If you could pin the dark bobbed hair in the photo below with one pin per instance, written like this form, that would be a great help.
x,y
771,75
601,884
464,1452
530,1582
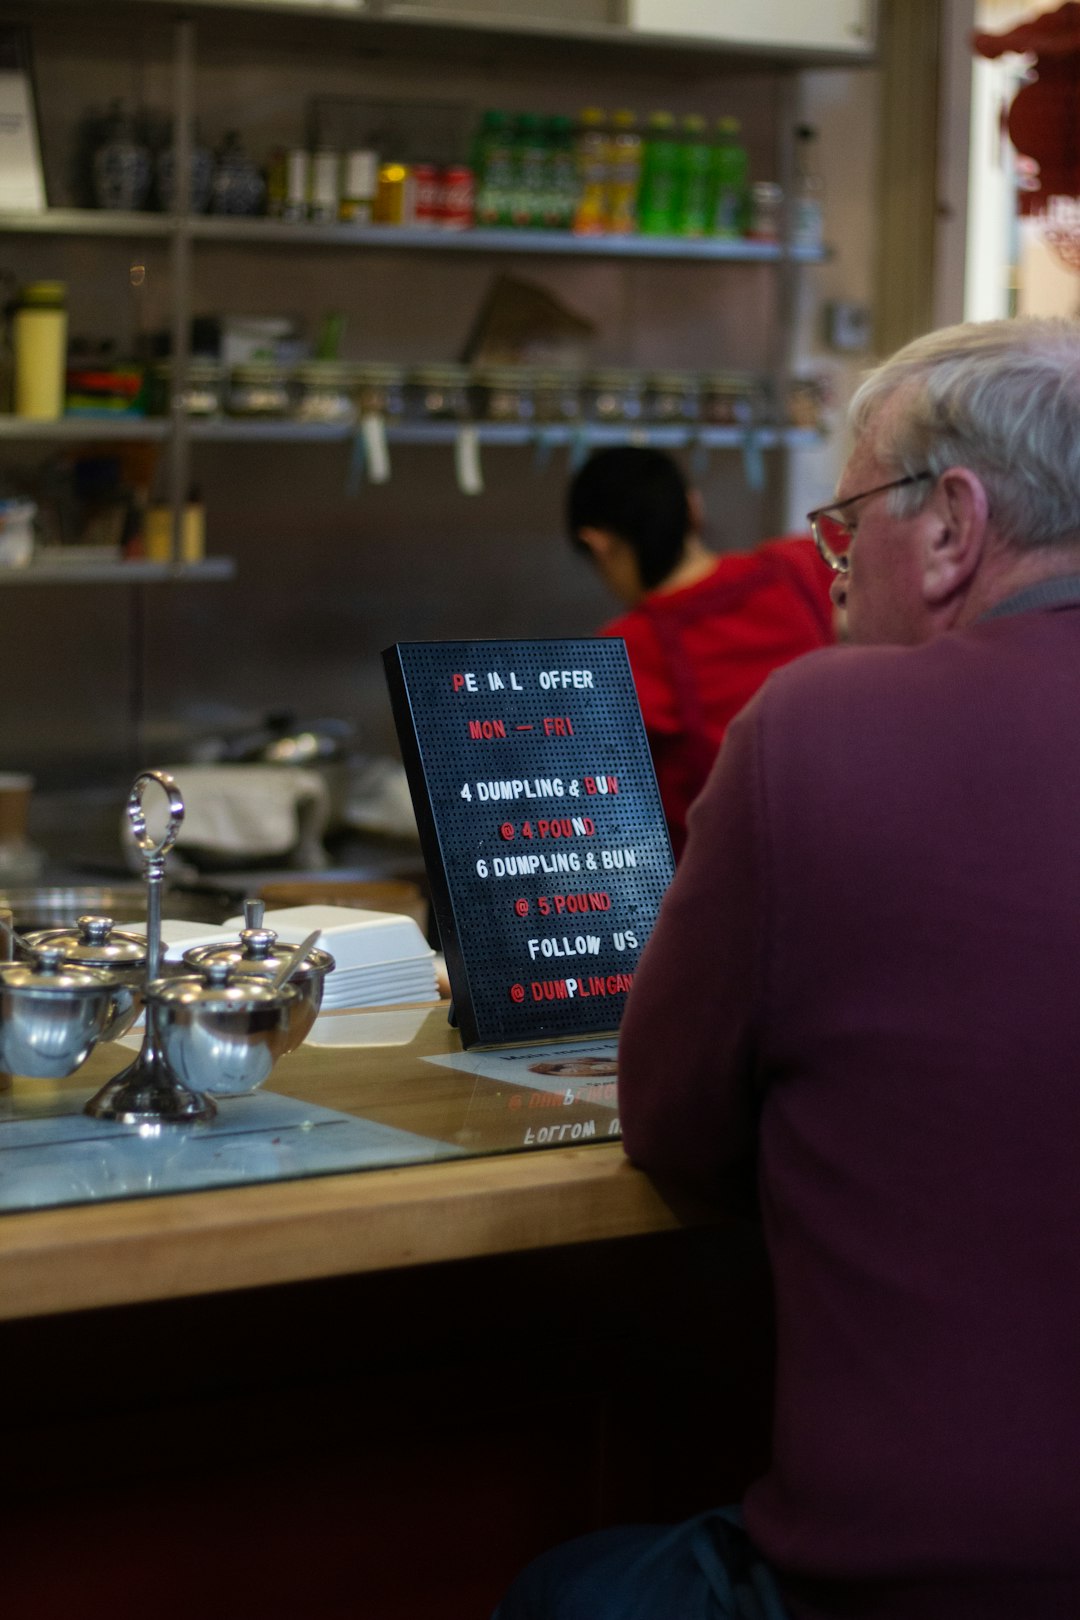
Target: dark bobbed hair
x,y
639,495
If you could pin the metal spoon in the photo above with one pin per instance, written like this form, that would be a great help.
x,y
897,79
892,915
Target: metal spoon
x,y
11,939
289,964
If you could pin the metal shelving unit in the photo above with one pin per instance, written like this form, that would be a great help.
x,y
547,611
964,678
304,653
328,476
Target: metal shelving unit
x,y
507,435
414,239
236,430
44,572
84,222
593,435
182,235
84,429
236,232
91,243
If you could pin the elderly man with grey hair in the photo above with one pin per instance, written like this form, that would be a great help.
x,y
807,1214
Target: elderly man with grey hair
x,y
859,1008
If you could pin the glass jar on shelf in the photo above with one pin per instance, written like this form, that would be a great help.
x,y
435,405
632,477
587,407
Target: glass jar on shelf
x,y
439,393
557,397
122,166
204,392
504,394
260,388
807,403
673,399
201,173
324,392
379,390
732,399
766,212
237,185
615,397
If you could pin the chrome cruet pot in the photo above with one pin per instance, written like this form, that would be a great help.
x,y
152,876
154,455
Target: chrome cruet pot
x,y
94,942
221,1032
260,952
213,1031
52,1015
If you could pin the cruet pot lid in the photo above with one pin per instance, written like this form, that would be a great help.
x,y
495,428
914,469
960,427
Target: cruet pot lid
x,y
49,975
217,988
93,942
260,951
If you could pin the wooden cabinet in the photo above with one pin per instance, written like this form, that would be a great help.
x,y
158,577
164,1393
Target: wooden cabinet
x,y
801,25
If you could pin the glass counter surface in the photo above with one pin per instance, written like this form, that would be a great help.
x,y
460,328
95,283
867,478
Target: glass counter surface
x,y
367,1090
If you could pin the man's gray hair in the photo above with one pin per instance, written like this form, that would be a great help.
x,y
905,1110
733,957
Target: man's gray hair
x,y
999,397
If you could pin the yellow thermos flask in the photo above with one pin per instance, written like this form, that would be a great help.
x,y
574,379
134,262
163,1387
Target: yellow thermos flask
x,y
39,345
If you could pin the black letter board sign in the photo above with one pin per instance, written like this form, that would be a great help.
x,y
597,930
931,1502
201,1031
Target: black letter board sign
x,y
541,826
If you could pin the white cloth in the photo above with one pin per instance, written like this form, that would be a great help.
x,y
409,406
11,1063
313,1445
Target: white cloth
x,y
253,811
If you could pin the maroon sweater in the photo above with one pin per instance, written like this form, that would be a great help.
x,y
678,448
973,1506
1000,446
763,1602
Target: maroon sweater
x,y
866,979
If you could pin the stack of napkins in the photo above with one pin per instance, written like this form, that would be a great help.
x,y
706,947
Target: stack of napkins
x,y
381,957
178,935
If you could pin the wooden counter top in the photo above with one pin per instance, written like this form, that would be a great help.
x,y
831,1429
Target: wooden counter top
x,y
199,1243
169,1246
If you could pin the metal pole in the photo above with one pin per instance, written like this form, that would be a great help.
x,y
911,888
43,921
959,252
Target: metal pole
x,y
180,267
789,282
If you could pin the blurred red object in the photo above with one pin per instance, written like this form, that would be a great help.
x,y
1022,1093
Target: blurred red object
x,y
1044,119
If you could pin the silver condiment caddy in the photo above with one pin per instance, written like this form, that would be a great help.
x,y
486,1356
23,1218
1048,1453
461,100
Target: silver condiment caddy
x,y
219,1028
149,1091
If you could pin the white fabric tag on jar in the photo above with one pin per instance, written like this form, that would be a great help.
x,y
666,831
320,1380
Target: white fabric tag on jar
x,y
470,477
373,429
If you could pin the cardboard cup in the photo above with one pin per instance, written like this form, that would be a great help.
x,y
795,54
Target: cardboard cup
x,y
15,791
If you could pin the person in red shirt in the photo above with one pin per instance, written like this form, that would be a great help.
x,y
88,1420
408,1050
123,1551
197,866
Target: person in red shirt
x,y
703,631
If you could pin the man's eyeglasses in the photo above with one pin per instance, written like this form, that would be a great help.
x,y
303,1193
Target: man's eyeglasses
x,y
833,532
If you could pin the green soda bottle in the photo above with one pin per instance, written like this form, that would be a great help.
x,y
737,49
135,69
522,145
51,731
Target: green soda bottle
x,y
493,162
694,188
531,167
657,198
730,187
562,188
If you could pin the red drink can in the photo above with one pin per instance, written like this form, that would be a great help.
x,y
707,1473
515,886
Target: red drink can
x,y
426,193
458,198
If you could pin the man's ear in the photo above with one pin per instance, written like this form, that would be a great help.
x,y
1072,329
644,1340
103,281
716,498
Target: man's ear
x,y
600,543
955,534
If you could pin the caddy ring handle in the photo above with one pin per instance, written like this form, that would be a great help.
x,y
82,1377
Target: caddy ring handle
x,y
137,816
